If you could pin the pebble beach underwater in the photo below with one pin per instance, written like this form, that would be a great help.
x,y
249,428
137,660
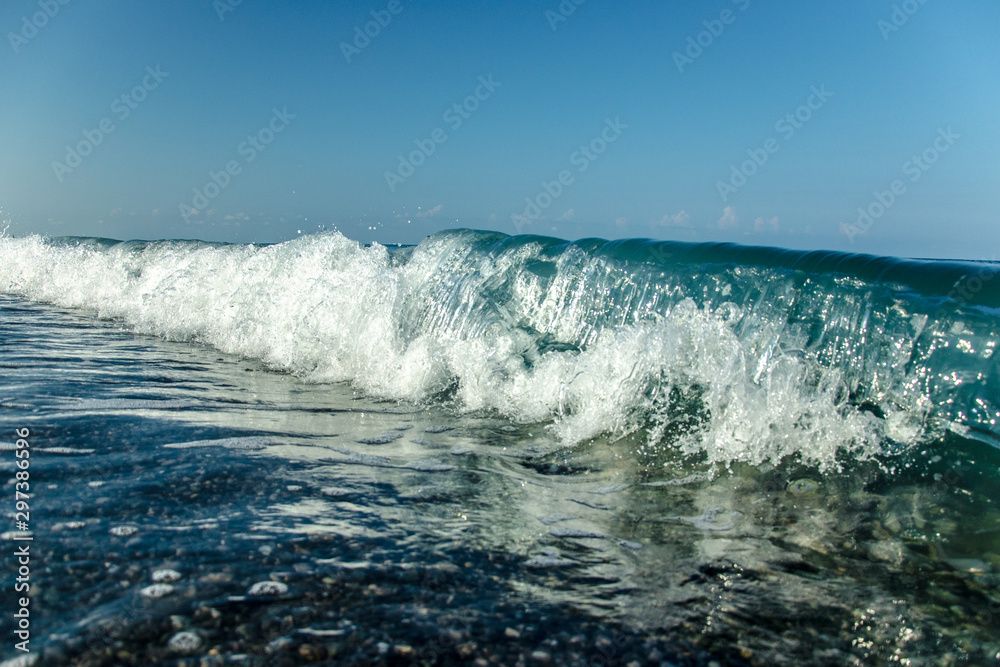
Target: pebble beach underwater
x,y
498,450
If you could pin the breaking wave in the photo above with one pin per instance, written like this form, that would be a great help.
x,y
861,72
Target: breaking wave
x,y
738,353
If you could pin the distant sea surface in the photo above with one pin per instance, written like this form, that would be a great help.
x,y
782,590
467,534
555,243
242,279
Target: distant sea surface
x,y
503,449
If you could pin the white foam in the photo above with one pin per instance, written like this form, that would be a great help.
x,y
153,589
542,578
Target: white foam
x,y
328,309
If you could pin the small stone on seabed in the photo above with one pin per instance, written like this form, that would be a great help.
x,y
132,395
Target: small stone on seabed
x,y
68,525
156,591
540,656
512,633
279,644
166,576
124,531
311,653
803,487
185,642
268,588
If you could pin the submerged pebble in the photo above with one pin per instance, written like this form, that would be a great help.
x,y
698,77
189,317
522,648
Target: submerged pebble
x,y
803,487
156,591
166,576
123,531
68,525
268,588
970,565
184,642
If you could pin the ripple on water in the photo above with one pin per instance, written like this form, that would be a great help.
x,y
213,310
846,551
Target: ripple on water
x,y
381,439
246,443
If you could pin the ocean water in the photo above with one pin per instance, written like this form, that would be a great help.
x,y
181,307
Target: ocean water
x,y
503,449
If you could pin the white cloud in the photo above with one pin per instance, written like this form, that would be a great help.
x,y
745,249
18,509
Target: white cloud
x,y
681,219
762,225
429,212
728,219
568,215
620,222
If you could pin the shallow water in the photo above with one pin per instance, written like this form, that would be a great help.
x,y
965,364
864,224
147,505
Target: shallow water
x,y
416,535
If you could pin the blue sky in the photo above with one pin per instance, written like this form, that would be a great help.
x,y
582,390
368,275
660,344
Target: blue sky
x,y
648,143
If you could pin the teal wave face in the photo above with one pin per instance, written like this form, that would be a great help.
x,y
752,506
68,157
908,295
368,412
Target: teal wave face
x,y
905,335
737,353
